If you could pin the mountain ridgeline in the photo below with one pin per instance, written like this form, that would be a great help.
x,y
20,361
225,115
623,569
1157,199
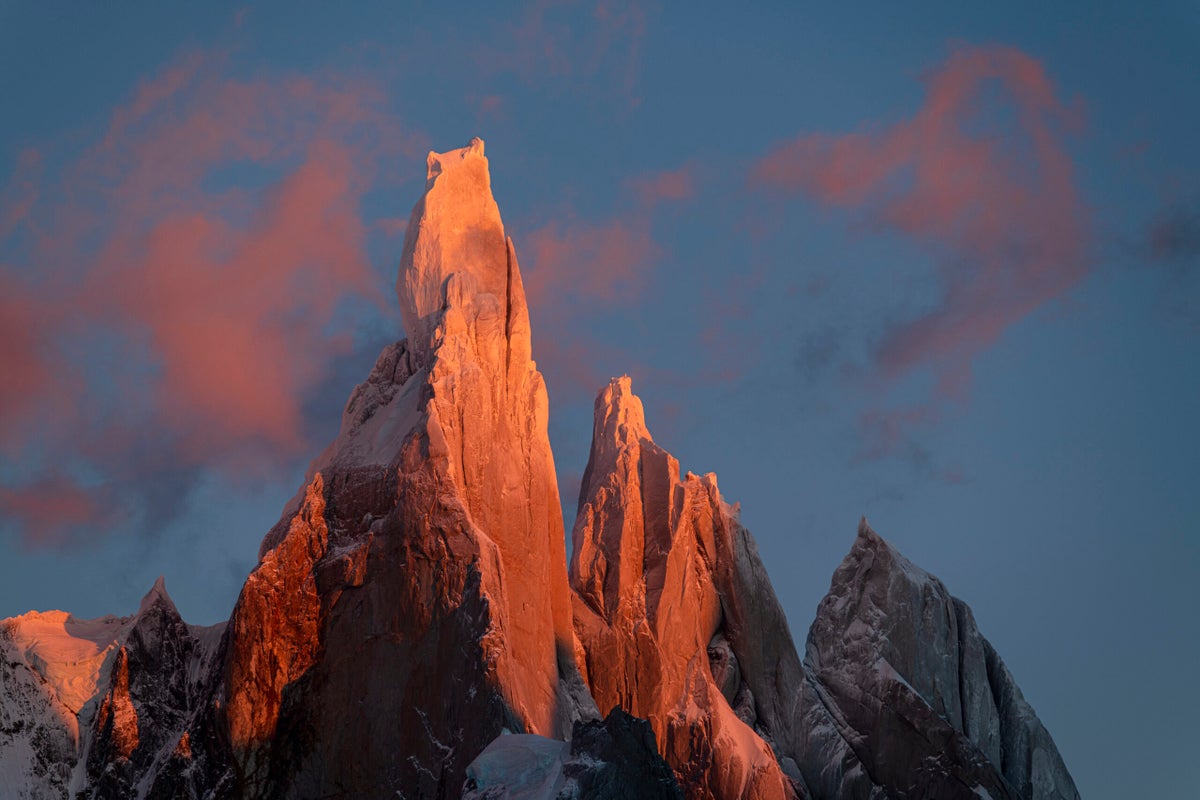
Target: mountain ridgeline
x,y
413,628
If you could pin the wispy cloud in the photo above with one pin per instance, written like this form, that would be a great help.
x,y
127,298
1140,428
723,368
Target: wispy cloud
x,y
576,269
203,246
54,510
1174,234
560,43
981,178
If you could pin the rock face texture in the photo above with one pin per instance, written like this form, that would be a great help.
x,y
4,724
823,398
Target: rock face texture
x,y
91,706
654,612
921,697
156,683
428,544
409,630
898,696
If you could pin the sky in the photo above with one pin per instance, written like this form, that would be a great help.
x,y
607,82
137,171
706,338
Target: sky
x,y
938,265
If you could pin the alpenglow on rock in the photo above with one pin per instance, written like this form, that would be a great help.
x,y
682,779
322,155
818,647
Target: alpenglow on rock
x,y
409,630
900,696
422,574
651,551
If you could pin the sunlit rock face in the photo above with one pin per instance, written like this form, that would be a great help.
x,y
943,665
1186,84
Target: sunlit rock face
x,y
899,694
409,630
660,629
918,693
413,602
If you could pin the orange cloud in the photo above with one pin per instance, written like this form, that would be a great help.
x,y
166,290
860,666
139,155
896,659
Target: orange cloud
x,y
981,177
236,316
232,288
577,270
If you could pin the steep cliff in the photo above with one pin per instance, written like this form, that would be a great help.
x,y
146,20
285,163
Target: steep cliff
x,y
921,696
899,695
409,629
654,611
412,602
91,706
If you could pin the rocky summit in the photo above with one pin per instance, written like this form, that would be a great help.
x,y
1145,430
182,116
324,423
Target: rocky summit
x,y
412,629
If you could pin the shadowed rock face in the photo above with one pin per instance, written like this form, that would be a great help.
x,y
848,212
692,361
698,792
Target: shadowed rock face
x,y
88,708
920,695
155,684
413,601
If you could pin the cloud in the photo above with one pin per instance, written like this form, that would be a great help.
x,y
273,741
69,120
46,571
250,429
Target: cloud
x,y
19,196
235,315
589,262
677,184
1174,234
980,178
564,41
52,510
197,263
577,270
1171,244
32,378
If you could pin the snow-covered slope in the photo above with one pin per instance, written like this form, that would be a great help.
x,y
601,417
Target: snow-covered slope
x,y
78,697
610,759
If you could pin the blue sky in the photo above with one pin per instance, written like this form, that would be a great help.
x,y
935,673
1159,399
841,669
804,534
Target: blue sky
x,y
938,266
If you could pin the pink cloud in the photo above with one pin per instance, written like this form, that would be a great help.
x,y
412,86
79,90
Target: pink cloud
x,y
31,376
49,511
392,227
235,316
213,232
18,197
575,268
590,262
981,178
668,185
995,201
490,105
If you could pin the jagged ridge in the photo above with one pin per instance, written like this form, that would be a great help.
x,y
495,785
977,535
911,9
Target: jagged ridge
x,y
412,606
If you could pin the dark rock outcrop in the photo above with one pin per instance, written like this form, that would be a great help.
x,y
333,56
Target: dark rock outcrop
x,y
924,701
610,759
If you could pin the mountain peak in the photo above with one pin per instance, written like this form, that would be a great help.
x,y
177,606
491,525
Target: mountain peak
x,y
454,230
620,416
157,594
437,163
